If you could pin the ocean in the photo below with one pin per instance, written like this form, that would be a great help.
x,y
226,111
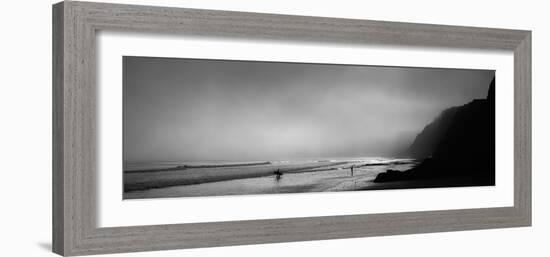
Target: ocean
x,y
219,178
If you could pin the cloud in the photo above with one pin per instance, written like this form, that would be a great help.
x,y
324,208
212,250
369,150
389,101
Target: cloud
x,y
189,109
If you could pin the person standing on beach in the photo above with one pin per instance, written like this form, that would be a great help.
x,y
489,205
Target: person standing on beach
x,y
352,171
278,174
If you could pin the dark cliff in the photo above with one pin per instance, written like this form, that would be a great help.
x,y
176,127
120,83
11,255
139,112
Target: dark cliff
x,y
425,143
460,142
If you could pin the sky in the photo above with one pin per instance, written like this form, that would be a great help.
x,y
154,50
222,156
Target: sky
x,y
223,110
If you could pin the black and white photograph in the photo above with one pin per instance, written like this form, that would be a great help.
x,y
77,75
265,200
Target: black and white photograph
x,y
200,127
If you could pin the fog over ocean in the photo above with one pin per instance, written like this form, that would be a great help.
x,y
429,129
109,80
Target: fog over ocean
x,y
196,110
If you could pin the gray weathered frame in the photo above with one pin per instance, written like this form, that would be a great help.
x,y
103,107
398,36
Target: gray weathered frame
x,y
74,127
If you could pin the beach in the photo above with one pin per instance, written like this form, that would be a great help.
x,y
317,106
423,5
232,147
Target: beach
x,y
214,179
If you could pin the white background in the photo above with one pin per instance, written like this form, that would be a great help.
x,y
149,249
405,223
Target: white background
x,y
25,106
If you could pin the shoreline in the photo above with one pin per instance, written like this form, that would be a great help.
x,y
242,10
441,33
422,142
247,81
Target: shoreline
x,y
200,166
136,181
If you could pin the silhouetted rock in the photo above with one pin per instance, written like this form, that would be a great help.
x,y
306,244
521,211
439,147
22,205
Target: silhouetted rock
x,y
460,142
389,175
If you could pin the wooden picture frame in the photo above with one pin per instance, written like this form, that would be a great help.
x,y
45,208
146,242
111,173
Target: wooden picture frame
x,y
74,127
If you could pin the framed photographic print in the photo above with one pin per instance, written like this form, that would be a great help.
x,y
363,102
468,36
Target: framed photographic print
x,y
182,128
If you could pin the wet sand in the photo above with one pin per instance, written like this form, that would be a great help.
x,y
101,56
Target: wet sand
x,y
143,180
296,178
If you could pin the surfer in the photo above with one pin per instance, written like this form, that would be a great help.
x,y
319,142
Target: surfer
x,y
278,174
